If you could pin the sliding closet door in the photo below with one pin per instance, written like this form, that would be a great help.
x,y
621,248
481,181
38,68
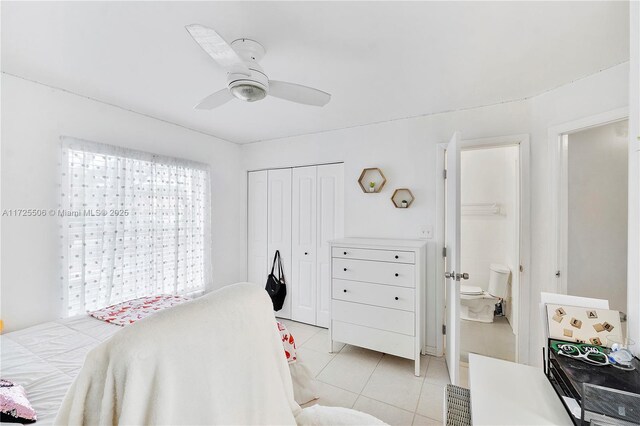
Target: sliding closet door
x,y
330,225
257,262
279,226
303,244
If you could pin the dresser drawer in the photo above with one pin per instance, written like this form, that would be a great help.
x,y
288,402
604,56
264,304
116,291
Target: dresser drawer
x,y
369,254
399,274
374,294
387,319
372,338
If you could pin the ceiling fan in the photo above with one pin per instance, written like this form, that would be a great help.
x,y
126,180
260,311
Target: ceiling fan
x,y
245,78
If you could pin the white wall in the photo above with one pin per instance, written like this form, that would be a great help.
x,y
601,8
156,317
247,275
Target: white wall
x,y
489,176
33,119
406,151
597,213
596,94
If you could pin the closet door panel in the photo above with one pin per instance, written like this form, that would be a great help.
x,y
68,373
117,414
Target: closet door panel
x,y
257,262
303,280
279,227
330,225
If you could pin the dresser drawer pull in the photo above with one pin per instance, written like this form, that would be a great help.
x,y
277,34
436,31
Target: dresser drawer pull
x,y
397,257
345,269
345,290
305,253
396,297
397,275
345,253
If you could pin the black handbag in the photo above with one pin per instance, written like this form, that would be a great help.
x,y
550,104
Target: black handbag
x,y
276,286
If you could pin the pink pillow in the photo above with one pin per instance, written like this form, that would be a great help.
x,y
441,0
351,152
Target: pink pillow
x,y
128,312
14,405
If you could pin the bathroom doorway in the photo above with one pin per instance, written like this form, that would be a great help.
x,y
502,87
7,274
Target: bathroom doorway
x,y
495,248
490,246
592,198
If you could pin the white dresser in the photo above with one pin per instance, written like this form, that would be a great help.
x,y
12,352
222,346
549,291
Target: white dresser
x,y
378,295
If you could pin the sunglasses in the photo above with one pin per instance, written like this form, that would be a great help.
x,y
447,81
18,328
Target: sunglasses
x,y
584,352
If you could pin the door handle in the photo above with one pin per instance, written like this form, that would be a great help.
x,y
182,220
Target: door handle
x,y
456,276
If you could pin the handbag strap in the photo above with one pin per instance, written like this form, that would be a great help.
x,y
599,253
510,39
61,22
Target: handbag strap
x,y
280,268
276,258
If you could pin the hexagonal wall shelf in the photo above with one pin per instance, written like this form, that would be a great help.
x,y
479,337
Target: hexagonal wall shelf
x,y
371,174
402,198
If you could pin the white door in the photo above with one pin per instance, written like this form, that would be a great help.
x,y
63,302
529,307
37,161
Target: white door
x,y
302,282
452,243
330,225
279,226
257,262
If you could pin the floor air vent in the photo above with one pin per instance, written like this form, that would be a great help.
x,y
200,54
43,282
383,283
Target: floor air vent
x,y
458,406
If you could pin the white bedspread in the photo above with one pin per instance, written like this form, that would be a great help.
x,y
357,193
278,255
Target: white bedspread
x,y
47,357
167,368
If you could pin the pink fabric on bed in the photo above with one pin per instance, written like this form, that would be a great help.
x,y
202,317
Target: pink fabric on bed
x,y
288,342
14,404
128,312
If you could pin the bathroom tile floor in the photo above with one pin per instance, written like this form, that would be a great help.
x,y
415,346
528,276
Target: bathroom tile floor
x,y
494,339
376,383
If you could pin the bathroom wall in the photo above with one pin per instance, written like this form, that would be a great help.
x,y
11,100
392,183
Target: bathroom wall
x,y
489,176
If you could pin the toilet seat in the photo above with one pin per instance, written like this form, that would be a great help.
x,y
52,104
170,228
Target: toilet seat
x,y
471,290
468,292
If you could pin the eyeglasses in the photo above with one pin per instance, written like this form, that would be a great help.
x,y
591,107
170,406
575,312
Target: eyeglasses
x,y
587,353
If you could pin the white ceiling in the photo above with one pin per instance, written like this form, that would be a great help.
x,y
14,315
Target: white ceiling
x,y
379,60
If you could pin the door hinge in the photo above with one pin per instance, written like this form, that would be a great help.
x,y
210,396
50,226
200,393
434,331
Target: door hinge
x,y
444,329
444,173
444,252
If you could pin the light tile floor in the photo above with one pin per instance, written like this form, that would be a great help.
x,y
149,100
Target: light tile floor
x,y
495,339
379,384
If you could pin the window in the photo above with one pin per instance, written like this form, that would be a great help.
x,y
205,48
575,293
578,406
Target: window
x,y
133,224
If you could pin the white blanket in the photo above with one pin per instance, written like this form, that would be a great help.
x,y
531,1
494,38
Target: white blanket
x,y
182,366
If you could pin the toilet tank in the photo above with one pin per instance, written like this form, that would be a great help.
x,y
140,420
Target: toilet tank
x,y
499,280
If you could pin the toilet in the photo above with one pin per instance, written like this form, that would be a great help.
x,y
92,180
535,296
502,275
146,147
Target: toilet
x,y
477,304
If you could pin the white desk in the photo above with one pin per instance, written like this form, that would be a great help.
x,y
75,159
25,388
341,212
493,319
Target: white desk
x,y
506,393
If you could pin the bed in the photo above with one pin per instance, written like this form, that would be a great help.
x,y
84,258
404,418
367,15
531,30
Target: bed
x,y
46,358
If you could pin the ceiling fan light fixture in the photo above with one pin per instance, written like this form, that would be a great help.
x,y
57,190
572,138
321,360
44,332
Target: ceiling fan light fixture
x,y
246,79
248,92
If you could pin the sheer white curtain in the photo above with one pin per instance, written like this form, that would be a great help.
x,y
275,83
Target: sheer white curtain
x,y
133,224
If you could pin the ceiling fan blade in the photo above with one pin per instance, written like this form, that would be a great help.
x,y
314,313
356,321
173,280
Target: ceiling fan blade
x,y
298,93
221,52
214,100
